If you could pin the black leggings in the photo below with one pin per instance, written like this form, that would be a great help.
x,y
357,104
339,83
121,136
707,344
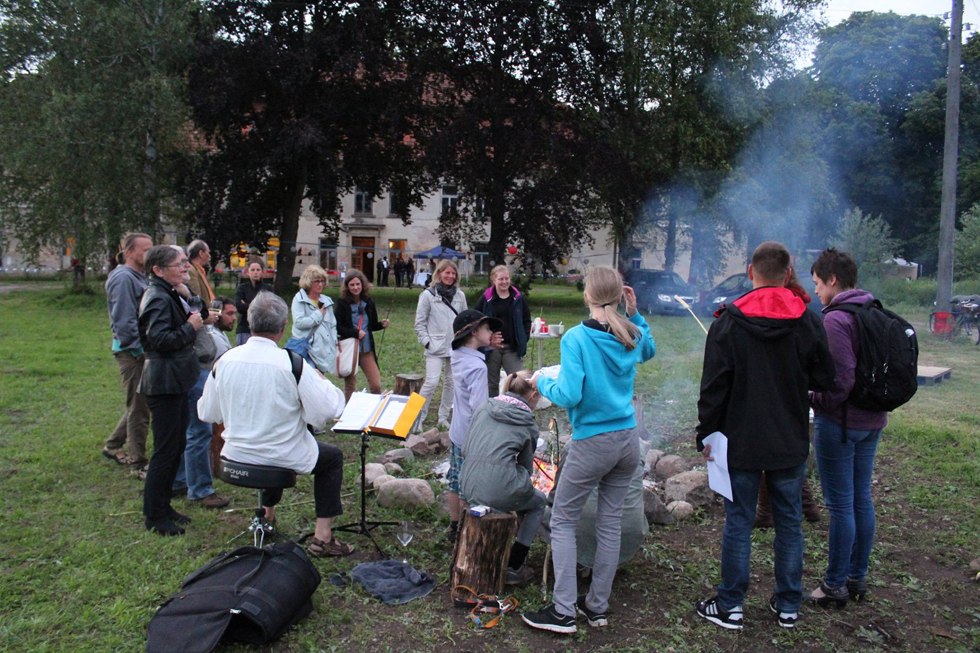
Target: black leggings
x,y
328,473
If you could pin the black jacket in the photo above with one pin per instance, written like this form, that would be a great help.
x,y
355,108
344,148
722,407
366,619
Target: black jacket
x,y
171,366
520,315
762,355
244,294
345,321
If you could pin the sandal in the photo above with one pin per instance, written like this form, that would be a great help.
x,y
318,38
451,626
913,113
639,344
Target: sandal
x,y
332,549
117,456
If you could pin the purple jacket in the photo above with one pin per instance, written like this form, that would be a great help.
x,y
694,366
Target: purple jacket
x,y
842,337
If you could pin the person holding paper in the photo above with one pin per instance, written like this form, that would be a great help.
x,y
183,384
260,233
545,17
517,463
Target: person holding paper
x,y
357,317
595,384
265,410
762,355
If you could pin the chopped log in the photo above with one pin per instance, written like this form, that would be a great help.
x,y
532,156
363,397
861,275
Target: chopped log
x,y
406,384
216,443
480,557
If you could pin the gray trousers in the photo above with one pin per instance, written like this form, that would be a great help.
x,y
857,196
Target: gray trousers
x,y
531,515
609,461
497,358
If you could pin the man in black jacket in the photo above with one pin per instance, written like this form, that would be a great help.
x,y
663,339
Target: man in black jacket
x,y
762,355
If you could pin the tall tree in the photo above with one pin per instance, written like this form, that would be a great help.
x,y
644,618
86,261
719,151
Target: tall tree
x,y
498,130
91,118
298,101
671,89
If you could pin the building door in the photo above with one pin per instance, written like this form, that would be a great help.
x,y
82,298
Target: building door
x,y
362,255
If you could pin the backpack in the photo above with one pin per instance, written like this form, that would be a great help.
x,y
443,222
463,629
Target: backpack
x,y
887,357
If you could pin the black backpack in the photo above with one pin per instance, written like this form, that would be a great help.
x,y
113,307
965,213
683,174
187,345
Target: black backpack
x,y
887,357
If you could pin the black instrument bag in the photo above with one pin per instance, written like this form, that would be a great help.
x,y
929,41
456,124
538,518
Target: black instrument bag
x,y
250,594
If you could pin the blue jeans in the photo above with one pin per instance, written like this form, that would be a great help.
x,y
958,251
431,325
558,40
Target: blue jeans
x,y
195,467
785,493
845,475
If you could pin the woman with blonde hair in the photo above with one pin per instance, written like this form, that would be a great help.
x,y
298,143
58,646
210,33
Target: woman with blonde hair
x,y
313,321
438,306
506,303
595,384
357,317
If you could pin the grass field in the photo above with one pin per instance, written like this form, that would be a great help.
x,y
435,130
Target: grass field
x,y
79,573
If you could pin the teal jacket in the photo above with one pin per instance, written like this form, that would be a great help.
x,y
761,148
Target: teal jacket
x,y
595,383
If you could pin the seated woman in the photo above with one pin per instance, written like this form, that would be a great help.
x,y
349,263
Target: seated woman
x,y
498,459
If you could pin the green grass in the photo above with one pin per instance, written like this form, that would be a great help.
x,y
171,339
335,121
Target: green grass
x,y
79,573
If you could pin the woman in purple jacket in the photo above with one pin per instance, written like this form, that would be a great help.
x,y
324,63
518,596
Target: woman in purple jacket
x,y
845,461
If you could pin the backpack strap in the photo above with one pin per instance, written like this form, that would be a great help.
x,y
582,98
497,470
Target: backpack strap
x,y
296,362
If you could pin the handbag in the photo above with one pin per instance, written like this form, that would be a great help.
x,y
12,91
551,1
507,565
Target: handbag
x,y
348,352
250,594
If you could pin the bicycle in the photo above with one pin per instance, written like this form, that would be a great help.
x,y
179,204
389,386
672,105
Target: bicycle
x,y
963,316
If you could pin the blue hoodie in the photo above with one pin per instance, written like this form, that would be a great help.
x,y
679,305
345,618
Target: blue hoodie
x,y
595,383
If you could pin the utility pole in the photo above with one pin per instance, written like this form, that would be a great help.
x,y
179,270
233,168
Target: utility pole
x,y
947,210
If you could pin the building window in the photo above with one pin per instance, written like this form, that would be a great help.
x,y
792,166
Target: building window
x,y
328,254
450,199
363,201
481,258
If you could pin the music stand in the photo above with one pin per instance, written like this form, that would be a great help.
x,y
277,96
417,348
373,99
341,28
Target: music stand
x,y
364,527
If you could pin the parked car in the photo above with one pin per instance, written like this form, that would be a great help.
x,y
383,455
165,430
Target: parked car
x,y
724,293
656,291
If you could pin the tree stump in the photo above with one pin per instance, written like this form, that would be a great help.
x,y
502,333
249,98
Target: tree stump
x,y
480,557
406,384
216,443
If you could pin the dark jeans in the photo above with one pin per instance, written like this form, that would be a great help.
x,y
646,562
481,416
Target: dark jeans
x,y
785,492
168,414
328,473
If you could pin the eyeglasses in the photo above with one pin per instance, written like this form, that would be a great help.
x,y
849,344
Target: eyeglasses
x,y
179,264
319,281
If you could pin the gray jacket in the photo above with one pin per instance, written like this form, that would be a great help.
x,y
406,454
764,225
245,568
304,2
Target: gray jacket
x,y
434,321
498,456
124,288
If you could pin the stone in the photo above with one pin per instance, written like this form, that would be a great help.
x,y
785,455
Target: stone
x,y
394,469
373,471
652,458
409,493
671,465
975,564
444,440
381,480
680,509
690,486
655,510
418,445
431,436
396,456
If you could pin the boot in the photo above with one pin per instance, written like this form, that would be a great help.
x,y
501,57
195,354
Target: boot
x,y
763,511
811,507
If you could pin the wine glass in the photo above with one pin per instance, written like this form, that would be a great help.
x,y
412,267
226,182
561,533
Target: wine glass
x,y
195,303
404,536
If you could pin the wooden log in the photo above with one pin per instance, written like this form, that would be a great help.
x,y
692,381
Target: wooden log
x,y
480,557
406,384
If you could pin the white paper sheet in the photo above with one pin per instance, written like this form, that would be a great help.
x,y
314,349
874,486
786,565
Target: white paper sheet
x,y
718,478
358,411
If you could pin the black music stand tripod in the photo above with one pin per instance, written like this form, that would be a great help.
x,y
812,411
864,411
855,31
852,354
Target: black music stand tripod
x,y
364,527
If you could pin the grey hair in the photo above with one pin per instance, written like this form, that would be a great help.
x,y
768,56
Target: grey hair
x,y
195,248
267,313
160,256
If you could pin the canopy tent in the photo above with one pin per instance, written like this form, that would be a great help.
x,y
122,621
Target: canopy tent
x,y
439,252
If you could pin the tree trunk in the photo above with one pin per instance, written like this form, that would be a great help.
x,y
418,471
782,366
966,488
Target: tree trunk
x,y
286,257
406,384
480,558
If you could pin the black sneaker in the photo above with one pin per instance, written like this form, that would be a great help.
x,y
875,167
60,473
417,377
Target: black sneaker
x,y
786,619
549,619
709,609
596,619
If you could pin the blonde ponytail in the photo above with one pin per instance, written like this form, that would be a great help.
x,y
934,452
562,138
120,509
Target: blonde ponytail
x,y
604,289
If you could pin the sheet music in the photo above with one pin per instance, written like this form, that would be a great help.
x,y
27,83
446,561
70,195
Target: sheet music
x,y
719,479
358,411
391,412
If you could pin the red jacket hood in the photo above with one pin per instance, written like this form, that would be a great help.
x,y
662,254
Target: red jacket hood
x,y
771,302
